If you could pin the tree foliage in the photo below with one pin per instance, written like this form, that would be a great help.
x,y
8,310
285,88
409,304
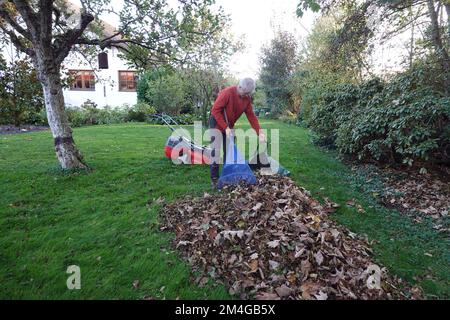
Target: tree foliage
x,y
278,62
401,118
20,93
165,91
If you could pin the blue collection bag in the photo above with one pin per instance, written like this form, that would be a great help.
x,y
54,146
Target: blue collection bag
x,y
235,169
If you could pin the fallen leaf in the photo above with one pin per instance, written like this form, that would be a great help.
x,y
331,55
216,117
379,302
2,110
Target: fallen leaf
x,y
284,291
212,232
312,255
319,257
321,296
160,200
257,206
273,265
253,266
267,296
273,244
308,289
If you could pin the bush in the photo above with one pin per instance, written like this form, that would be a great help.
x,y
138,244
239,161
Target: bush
x,y
140,112
288,117
21,97
339,106
401,121
182,119
89,114
76,116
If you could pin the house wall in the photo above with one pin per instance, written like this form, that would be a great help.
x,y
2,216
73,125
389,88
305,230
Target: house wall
x,y
107,82
107,86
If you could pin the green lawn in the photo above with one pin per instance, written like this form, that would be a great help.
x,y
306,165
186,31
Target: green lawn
x,y
106,222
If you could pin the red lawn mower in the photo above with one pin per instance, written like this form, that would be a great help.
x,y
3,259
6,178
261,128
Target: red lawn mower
x,y
180,148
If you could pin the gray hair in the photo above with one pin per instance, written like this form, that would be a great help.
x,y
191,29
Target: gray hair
x,y
247,85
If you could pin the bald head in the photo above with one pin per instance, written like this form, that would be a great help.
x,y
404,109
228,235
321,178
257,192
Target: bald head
x,y
246,86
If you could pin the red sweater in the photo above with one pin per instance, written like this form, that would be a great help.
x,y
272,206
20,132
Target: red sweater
x,y
234,105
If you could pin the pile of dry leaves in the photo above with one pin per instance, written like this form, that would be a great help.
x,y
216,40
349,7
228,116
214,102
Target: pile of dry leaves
x,y
272,241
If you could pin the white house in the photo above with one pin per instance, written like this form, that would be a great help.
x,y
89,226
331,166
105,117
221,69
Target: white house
x,y
112,86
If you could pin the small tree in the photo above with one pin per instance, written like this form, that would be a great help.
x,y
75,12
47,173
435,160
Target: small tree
x,y
396,14
167,93
278,61
20,92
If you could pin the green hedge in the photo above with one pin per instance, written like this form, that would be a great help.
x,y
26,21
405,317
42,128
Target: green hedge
x,y
89,114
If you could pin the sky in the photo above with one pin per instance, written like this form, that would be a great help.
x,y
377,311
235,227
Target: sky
x,y
256,21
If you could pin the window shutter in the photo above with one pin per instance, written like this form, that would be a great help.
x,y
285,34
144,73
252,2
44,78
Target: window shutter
x,y
103,60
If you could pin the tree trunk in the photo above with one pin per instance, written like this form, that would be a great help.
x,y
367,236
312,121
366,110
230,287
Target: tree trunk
x,y
442,53
447,9
67,153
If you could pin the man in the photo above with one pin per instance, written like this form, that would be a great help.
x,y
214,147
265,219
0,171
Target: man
x,y
231,103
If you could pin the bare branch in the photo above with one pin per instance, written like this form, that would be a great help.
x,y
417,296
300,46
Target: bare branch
x,y
65,42
14,24
28,16
45,20
17,41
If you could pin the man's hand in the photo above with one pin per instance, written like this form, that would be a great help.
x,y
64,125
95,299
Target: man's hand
x,y
262,137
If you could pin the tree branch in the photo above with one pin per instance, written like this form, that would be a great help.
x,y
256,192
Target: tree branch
x,y
45,20
65,42
18,43
28,16
14,24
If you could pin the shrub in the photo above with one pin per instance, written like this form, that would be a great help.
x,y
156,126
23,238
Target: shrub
x,y
77,117
288,117
89,114
182,119
21,97
140,112
401,121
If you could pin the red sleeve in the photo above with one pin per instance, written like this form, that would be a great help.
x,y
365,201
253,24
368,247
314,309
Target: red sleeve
x,y
218,110
252,118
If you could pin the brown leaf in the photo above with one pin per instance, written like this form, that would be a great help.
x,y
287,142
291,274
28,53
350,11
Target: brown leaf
x,y
273,244
267,296
284,291
312,257
319,257
305,267
253,266
321,296
291,278
308,289
212,233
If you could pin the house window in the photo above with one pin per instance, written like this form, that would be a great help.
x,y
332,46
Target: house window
x,y
82,80
127,80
